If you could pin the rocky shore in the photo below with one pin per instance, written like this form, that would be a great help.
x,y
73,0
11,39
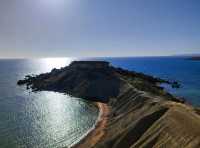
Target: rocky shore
x,y
141,113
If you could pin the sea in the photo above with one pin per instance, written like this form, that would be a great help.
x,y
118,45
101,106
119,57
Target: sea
x,y
43,119
49,119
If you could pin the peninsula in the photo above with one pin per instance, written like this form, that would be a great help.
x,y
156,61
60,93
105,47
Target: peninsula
x,y
137,112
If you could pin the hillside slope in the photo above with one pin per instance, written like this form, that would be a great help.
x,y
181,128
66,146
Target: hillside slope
x,y
141,113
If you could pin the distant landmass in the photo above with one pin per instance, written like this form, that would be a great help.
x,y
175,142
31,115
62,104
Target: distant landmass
x,y
195,58
136,111
188,55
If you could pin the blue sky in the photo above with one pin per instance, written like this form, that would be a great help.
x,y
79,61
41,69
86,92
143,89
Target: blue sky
x,y
81,28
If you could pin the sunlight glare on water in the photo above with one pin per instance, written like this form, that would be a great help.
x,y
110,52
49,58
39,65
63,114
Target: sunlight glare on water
x,y
39,119
49,63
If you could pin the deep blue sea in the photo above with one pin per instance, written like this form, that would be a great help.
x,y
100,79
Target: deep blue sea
x,y
49,119
186,72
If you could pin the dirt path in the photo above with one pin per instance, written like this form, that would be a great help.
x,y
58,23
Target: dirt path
x,y
95,135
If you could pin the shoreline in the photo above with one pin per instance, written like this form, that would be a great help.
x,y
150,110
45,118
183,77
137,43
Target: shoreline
x,y
139,113
95,134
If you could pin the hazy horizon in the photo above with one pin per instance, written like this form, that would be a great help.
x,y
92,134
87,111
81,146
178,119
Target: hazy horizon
x,y
62,57
68,28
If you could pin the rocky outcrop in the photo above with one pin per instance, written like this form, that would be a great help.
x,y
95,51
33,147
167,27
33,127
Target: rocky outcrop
x,y
142,114
93,80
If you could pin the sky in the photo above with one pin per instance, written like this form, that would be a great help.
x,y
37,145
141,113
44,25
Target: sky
x,y
93,28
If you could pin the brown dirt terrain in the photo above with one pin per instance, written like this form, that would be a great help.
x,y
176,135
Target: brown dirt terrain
x,y
136,112
95,135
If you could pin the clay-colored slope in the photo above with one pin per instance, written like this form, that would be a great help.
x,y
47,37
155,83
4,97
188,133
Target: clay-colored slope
x,y
141,114
178,128
165,125
143,120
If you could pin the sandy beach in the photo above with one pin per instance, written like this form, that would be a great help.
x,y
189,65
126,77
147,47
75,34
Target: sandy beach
x,y
97,133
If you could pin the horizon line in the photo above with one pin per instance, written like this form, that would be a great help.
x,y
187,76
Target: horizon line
x,y
51,57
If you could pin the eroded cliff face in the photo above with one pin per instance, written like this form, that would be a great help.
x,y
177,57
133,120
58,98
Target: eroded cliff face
x,y
141,114
139,119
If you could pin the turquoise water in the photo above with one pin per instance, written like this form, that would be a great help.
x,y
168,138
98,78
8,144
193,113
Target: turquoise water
x,y
43,119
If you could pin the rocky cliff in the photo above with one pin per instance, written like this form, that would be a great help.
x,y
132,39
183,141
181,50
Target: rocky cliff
x,y
141,114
